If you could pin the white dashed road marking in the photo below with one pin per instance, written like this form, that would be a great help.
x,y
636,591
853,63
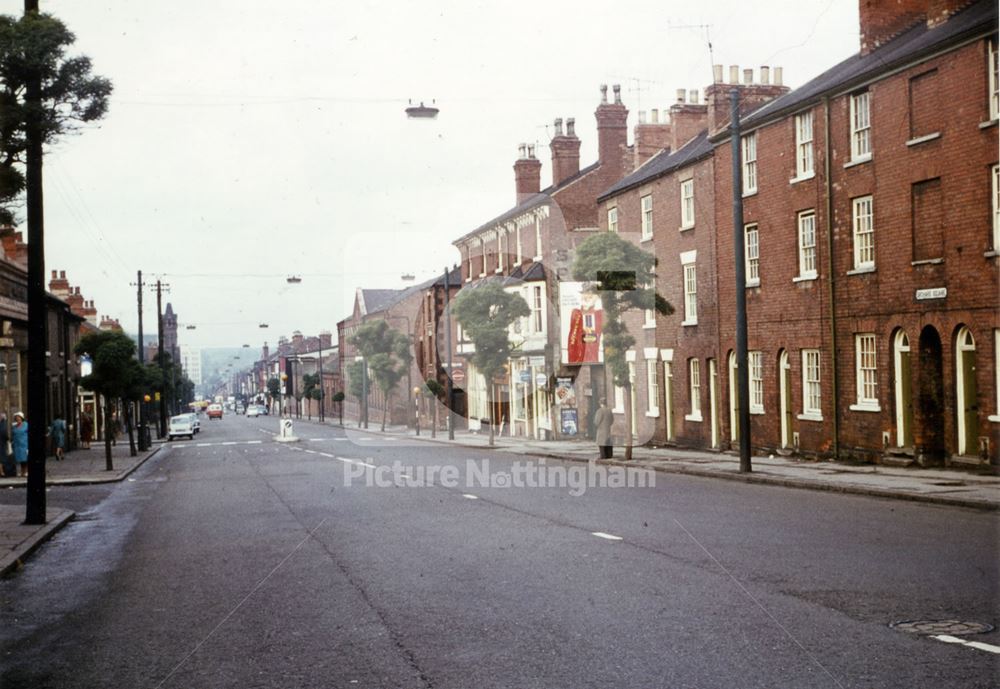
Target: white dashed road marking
x,y
348,460
470,496
989,648
601,534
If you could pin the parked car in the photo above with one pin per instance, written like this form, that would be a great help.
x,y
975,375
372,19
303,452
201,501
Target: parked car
x,y
215,411
253,410
195,421
180,425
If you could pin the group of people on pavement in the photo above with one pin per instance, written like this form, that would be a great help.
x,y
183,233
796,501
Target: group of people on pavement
x,y
14,443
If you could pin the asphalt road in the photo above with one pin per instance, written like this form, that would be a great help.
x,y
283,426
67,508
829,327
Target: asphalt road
x,y
235,561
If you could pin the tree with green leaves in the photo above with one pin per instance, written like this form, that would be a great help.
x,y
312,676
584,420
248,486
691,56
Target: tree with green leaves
x,y
310,390
387,354
623,275
115,375
274,391
435,391
356,388
70,94
486,313
339,397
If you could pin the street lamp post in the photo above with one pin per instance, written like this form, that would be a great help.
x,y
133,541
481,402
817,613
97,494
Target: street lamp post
x,y
364,391
322,389
416,407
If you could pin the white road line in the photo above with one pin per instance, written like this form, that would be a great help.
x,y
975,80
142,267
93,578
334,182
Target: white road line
x,y
470,496
601,534
315,440
204,444
348,460
228,443
971,644
254,442
311,452
327,454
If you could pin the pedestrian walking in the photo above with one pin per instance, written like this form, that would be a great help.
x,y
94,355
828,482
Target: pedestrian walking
x,y
9,467
603,418
19,443
86,430
57,431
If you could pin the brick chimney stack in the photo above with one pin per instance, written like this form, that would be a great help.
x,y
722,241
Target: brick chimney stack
x,y
612,135
265,352
90,312
565,151
75,301
59,285
689,118
651,137
527,173
752,95
326,339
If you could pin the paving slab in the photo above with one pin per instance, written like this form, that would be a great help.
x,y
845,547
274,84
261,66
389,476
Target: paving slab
x,y
18,540
82,466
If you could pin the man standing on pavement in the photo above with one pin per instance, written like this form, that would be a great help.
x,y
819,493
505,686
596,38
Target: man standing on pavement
x,y
602,425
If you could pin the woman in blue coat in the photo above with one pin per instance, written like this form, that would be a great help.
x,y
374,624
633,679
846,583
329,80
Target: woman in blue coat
x,y
19,442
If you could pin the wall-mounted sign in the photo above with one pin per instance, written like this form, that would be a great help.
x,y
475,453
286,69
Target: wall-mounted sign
x,y
933,293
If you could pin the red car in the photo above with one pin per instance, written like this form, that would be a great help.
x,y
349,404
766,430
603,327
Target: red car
x,y
215,411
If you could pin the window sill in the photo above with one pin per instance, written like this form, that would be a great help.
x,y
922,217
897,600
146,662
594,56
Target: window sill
x,y
618,410
498,271
687,323
992,253
693,417
748,193
646,239
469,279
923,139
995,418
928,262
861,271
648,326
988,123
653,414
858,161
867,406
802,178
757,411
536,259
752,283
805,278
482,275
809,417
685,228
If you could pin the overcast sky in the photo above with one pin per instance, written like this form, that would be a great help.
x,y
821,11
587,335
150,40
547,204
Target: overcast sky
x,y
248,141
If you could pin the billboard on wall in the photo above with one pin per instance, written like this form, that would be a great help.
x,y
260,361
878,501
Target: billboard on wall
x,y
581,320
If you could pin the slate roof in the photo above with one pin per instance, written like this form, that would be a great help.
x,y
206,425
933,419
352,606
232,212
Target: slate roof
x,y
374,300
980,18
533,201
662,163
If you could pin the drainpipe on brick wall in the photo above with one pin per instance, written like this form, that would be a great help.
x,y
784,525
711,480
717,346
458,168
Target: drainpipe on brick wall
x,y
834,377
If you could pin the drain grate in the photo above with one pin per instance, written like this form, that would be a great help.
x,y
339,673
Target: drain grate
x,y
934,627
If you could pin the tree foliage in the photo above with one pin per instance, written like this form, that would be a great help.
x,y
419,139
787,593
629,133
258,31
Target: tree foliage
x,y
115,374
387,353
70,94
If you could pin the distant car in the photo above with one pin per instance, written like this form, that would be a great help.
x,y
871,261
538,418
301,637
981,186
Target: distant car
x,y
253,410
180,425
263,409
215,411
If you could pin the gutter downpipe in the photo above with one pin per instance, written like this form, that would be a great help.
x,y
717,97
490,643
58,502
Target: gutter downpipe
x,y
830,280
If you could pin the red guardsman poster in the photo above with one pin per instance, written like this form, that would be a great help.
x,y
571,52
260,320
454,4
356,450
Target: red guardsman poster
x,y
581,320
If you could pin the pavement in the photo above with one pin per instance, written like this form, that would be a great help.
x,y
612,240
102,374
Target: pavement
x,y
80,467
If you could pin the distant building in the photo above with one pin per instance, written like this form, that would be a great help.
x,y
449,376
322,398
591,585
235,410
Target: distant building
x,y
191,363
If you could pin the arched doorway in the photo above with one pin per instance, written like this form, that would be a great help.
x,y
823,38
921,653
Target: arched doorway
x,y
903,388
929,412
966,406
785,398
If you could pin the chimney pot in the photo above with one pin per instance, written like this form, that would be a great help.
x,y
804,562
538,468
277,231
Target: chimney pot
x,y
604,93
55,274
558,126
777,76
748,76
765,75
642,117
734,74
693,96
531,151
570,126
654,116
681,94
617,88
62,274
717,74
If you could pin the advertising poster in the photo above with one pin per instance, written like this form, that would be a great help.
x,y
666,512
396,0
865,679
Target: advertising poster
x,y
581,319
568,424
565,394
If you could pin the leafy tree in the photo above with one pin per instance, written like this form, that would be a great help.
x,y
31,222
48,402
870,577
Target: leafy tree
x,y
311,389
115,375
339,397
356,387
274,390
387,353
486,313
435,391
70,95
620,271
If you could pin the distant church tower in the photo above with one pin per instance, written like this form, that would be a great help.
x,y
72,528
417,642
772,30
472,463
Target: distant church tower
x,y
170,333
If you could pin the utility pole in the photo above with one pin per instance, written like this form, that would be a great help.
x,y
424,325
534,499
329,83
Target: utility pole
x,y
38,383
449,395
142,361
742,358
163,371
322,389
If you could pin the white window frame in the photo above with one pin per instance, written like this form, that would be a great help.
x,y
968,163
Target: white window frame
x,y
866,372
861,127
863,232
613,220
537,305
668,389
482,255
500,252
993,68
687,204
995,196
520,255
812,389
646,203
804,163
995,418
652,389
468,254
690,276
806,223
649,315
694,390
756,371
751,253
619,393
538,239
749,153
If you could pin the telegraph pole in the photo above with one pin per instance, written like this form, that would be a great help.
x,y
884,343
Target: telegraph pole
x,y
447,345
322,389
142,361
163,372
38,383
742,358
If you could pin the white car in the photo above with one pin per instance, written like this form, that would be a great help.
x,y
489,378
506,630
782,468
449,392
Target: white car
x,y
253,410
180,425
195,421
